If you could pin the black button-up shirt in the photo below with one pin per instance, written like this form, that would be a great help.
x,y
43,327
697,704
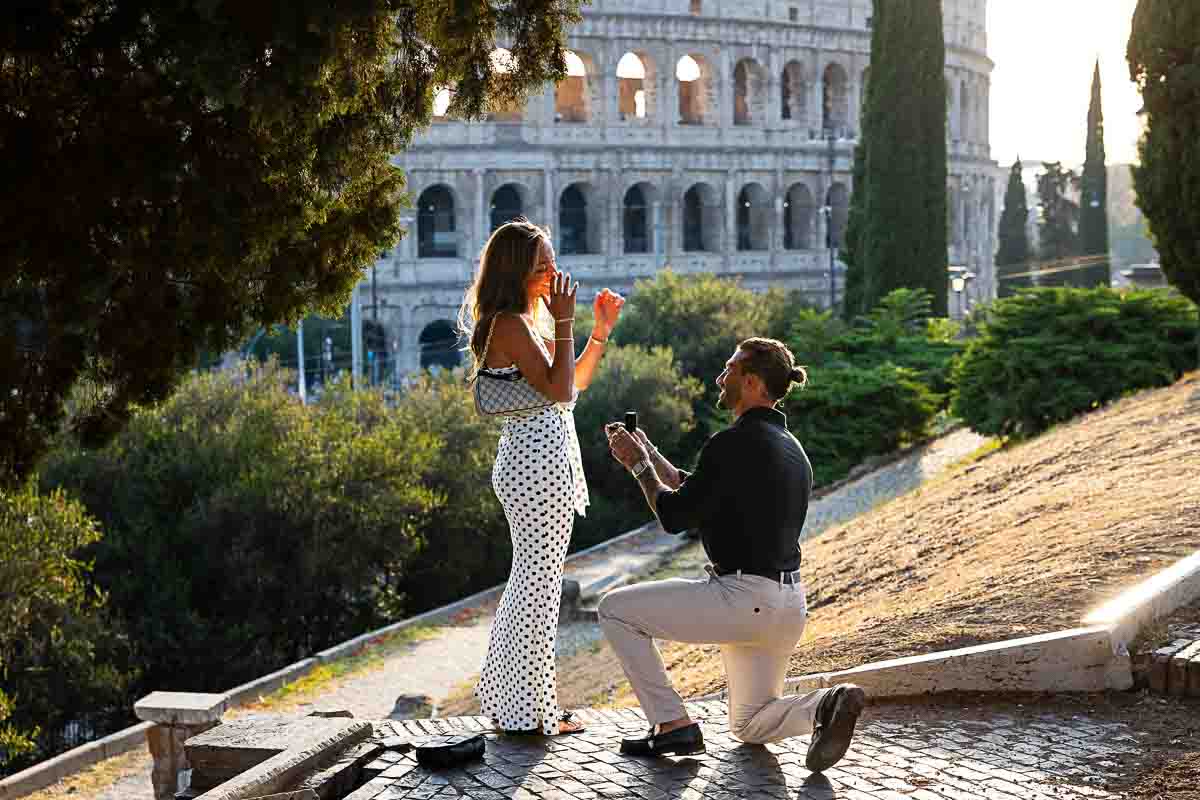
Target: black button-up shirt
x,y
748,495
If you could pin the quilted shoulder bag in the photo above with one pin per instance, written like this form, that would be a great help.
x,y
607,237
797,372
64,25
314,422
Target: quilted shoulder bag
x,y
504,394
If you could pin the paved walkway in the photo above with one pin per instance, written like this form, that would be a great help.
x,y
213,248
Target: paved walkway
x,y
957,756
413,678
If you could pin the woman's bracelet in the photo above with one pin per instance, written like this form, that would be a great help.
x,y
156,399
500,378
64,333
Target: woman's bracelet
x,y
600,342
565,319
564,338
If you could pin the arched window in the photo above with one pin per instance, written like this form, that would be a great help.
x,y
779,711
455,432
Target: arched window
x,y
749,95
793,93
634,87
506,205
572,101
436,237
838,200
636,221
701,219
572,222
835,103
753,218
694,79
438,344
797,218
505,110
441,103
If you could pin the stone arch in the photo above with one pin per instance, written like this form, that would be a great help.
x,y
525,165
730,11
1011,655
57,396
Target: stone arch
x,y
697,101
753,218
637,218
578,220
439,345
835,98
798,208
437,235
636,94
504,110
793,93
838,200
441,103
573,94
508,202
749,92
701,219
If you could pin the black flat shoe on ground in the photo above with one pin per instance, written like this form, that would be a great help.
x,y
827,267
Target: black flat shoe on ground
x,y
836,715
685,741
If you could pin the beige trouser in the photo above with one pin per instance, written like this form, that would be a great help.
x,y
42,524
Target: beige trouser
x,y
757,621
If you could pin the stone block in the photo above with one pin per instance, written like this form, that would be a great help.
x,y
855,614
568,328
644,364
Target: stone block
x,y
340,778
1078,660
180,708
301,794
570,600
1193,673
1160,664
1177,669
299,747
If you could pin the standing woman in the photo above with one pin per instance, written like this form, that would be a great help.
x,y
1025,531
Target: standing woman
x,y
521,313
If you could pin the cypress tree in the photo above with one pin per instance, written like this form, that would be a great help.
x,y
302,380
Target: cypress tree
x,y
851,247
1013,255
1093,212
1060,222
903,241
1164,61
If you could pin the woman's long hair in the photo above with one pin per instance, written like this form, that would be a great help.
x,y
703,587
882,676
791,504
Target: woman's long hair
x,y
509,257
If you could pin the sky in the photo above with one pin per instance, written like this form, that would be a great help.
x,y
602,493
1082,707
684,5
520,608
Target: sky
x,y
1044,52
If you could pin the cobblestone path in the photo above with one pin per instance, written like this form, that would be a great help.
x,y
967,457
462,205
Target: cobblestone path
x,y
416,675
961,755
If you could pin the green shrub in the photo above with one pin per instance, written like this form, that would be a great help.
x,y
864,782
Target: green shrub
x,y
55,645
244,530
630,379
847,414
702,318
1046,355
462,541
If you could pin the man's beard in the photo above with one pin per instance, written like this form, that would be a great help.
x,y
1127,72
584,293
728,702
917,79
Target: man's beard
x,y
727,399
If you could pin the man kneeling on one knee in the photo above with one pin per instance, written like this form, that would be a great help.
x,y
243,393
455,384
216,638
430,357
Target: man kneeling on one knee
x,y
748,496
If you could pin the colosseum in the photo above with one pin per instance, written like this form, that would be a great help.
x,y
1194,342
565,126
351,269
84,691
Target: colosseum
x,y
703,135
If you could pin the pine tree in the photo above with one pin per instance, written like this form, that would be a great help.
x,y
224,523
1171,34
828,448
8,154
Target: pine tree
x,y
1013,255
903,241
1164,60
1093,214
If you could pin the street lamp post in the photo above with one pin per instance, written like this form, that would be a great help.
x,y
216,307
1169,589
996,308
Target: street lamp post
x,y
827,213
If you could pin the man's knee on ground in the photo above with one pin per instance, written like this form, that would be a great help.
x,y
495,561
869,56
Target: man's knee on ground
x,y
742,727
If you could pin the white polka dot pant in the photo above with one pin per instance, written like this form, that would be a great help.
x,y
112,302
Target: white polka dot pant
x,y
532,478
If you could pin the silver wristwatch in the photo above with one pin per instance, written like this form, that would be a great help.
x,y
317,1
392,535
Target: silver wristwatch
x,y
639,468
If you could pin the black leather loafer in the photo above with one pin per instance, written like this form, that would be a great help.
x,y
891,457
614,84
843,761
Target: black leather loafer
x,y
685,741
836,715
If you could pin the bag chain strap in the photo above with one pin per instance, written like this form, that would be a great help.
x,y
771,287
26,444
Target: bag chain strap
x,y
486,344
